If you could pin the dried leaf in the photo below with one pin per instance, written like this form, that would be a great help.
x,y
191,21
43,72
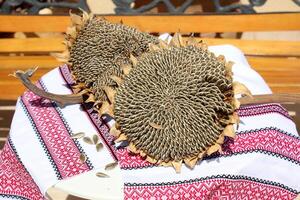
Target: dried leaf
x,y
229,65
163,44
95,139
117,79
216,147
166,164
229,131
91,98
82,158
221,58
99,146
102,175
114,131
75,19
143,154
177,166
106,108
133,60
79,85
77,135
235,103
88,140
221,139
122,137
177,40
239,88
132,148
201,155
191,162
234,118
192,41
153,47
86,16
156,126
126,69
110,93
111,166
151,160
71,31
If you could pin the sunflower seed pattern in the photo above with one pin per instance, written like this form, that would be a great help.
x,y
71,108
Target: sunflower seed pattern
x,y
175,103
100,48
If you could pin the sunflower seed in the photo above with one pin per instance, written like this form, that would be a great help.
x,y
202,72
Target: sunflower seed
x,y
87,140
111,166
95,139
77,135
99,146
101,175
82,158
156,126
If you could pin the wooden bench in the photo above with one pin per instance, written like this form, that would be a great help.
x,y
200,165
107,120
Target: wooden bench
x,y
277,61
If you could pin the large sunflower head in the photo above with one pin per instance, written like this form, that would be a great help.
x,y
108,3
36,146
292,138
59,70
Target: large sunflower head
x,y
177,104
96,50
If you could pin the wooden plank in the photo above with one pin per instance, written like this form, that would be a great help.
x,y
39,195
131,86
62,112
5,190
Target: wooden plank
x,y
281,77
283,88
31,45
281,74
249,47
6,79
24,62
274,64
11,91
164,23
260,47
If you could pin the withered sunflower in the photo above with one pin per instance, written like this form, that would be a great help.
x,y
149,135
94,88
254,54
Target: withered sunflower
x,y
177,103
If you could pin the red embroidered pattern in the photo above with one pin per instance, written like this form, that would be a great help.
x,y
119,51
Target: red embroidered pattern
x,y
263,109
61,147
14,179
127,160
95,119
214,189
268,139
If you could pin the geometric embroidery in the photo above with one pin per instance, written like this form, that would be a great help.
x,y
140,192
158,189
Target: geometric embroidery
x,y
15,181
270,141
55,136
209,188
247,111
95,119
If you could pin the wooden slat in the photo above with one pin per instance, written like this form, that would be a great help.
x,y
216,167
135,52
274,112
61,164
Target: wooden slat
x,y
31,45
24,62
189,23
11,90
6,79
11,87
274,64
260,47
281,74
283,88
249,47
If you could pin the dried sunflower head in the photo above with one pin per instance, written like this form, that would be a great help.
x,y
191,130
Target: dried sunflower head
x,y
96,50
177,104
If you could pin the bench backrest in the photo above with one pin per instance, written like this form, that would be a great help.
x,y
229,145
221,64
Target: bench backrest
x,y
275,60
